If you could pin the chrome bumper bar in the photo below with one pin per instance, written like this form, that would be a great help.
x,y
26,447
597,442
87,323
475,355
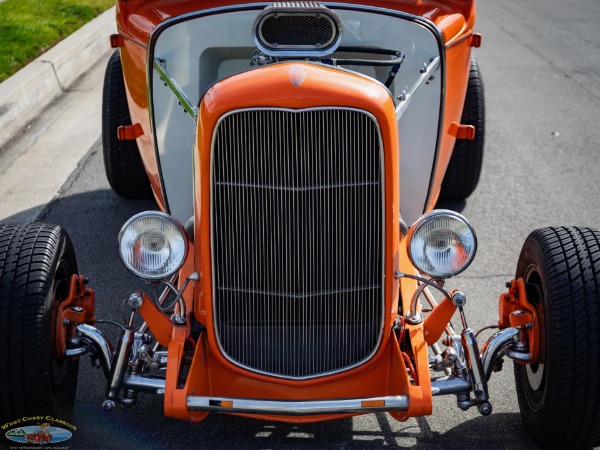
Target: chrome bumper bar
x,y
297,408
283,407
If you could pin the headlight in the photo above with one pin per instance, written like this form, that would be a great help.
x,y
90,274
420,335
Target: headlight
x,y
441,243
152,245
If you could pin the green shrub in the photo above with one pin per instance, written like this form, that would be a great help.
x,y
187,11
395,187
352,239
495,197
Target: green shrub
x,y
30,27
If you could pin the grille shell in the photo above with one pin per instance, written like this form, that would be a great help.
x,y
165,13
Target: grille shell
x,y
297,239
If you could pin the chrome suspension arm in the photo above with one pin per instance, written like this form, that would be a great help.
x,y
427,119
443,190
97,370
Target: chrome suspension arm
x,y
494,345
101,346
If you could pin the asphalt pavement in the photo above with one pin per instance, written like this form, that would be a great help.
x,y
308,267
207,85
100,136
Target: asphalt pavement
x,y
540,61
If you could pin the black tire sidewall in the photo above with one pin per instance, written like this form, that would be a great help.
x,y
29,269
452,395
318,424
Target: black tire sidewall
x,y
531,259
63,392
122,160
35,384
565,263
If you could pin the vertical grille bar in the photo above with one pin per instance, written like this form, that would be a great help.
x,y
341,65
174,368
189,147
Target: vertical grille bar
x,y
297,239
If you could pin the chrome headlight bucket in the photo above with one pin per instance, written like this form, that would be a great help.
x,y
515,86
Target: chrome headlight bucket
x,y
441,243
152,245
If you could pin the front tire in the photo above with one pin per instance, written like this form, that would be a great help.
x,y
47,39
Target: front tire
x,y
559,398
36,262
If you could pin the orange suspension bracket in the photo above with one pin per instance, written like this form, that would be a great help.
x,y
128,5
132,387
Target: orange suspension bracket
x,y
117,40
475,40
78,308
129,132
175,399
460,131
435,323
517,311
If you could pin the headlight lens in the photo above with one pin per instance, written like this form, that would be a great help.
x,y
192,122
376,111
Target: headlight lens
x,y
152,245
441,244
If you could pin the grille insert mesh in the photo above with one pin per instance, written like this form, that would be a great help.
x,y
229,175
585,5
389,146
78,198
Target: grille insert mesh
x,y
297,30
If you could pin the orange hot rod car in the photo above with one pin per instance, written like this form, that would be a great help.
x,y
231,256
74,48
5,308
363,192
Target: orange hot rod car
x,y
296,269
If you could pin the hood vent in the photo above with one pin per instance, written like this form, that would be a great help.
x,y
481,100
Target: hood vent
x,y
297,29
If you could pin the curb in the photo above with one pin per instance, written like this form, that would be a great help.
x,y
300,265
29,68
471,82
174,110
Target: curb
x,y
36,85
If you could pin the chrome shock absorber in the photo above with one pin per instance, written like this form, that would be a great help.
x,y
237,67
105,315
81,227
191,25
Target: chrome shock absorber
x,y
119,367
474,363
121,359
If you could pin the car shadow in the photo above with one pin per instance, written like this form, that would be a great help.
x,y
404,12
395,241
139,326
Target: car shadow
x,y
493,432
144,427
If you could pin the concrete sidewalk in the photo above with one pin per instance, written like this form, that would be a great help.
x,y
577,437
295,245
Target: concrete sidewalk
x,y
50,115
27,92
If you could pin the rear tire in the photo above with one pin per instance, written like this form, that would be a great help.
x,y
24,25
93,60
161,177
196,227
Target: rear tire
x,y
559,398
464,168
122,161
34,261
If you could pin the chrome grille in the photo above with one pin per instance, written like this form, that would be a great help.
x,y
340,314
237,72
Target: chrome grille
x,y
297,239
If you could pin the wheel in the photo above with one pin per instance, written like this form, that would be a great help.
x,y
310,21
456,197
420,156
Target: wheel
x,y
122,161
36,262
462,174
559,398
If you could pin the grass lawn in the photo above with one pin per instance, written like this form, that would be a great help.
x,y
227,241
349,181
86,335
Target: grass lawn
x,y
30,27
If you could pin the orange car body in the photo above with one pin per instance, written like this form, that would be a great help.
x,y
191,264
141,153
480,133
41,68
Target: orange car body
x,y
136,20
212,374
